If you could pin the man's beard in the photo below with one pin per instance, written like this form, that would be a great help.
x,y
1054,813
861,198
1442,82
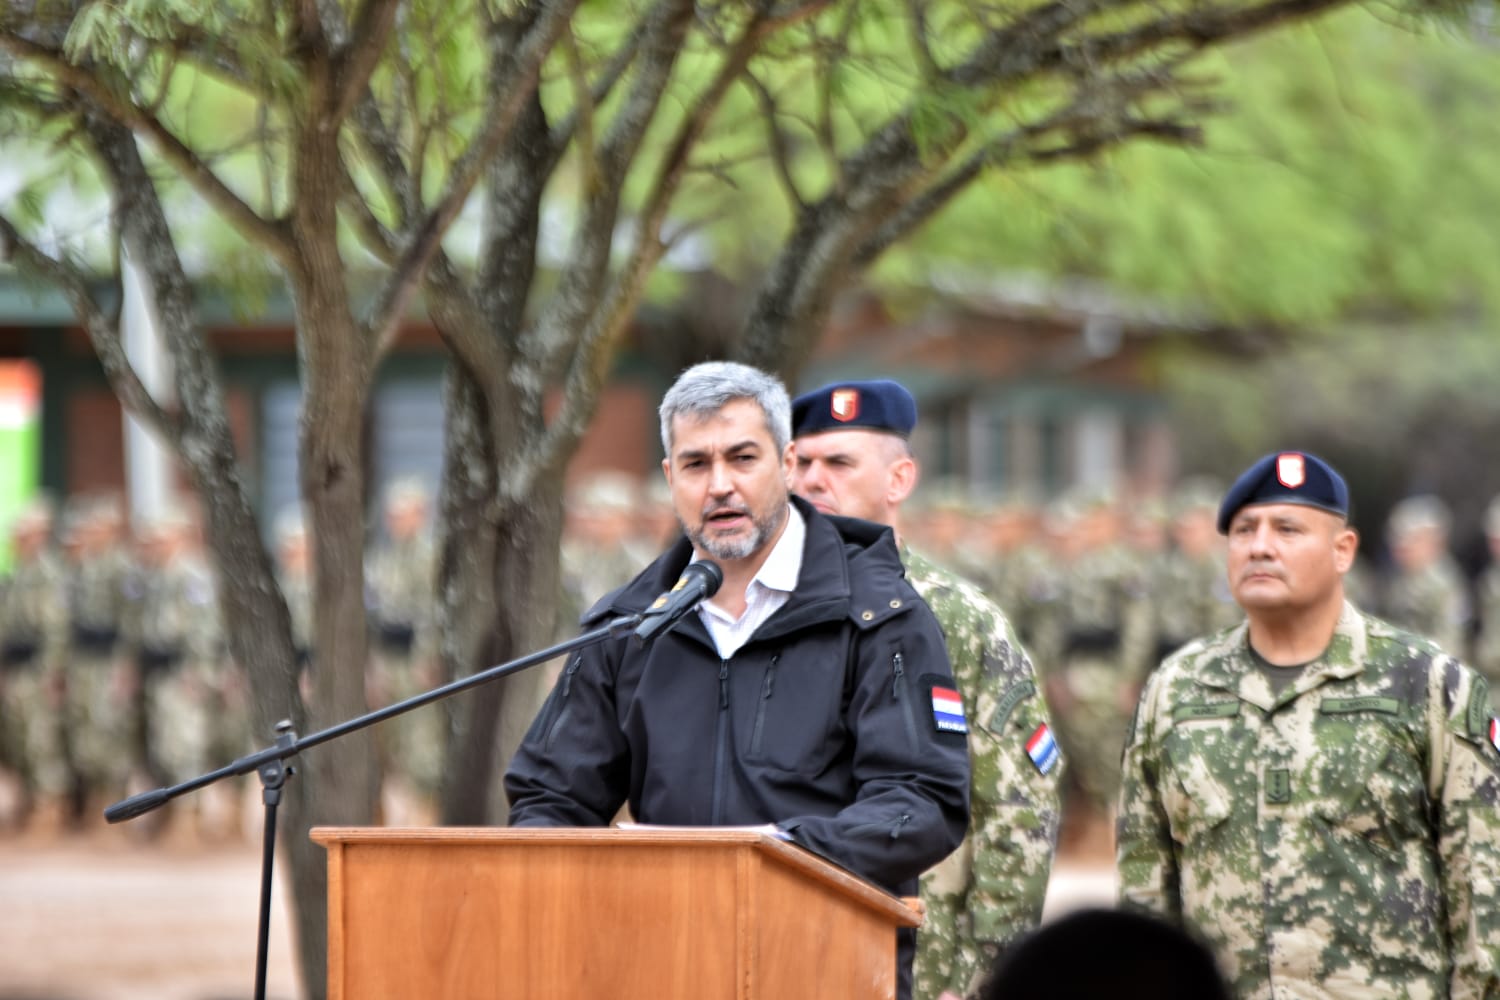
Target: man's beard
x,y
738,548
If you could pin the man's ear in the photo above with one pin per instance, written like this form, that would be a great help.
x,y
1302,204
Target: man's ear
x,y
1345,548
903,480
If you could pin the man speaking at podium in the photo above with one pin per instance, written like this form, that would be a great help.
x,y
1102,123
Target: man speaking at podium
x,y
812,694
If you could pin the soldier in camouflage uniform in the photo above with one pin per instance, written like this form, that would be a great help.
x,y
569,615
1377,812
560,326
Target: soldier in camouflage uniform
x,y
1090,642
294,576
101,681
404,655
1426,590
603,546
1487,645
173,630
1316,791
33,638
1190,596
992,888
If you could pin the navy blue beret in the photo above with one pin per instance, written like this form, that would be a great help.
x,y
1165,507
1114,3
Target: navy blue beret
x,y
1286,477
879,405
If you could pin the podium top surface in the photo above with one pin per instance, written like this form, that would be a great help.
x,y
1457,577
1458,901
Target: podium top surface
x,y
777,850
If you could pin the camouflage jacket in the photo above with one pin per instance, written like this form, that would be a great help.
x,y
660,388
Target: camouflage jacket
x,y
399,589
1340,840
992,888
1487,646
33,610
1431,602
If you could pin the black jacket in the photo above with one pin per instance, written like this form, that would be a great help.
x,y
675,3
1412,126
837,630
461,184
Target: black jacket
x,y
821,723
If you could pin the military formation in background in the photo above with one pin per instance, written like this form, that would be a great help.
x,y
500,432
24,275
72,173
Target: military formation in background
x,y
114,672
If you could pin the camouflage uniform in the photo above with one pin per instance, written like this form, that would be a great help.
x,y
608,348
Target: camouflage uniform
x,y
1487,646
174,630
404,656
1091,638
33,636
101,700
1340,839
1431,602
1190,597
992,888
1487,593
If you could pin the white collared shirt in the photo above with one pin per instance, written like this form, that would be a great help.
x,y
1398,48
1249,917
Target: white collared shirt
x,y
769,590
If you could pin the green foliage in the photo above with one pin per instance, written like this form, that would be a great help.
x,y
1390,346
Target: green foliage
x,y
1353,174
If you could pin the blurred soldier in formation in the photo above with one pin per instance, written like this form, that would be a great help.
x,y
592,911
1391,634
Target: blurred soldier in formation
x,y
1013,563
1487,645
294,576
1090,636
174,631
657,520
33,641
940,524
1191,595
1425,593
404,655
102,687
1147,545
853,459
603,547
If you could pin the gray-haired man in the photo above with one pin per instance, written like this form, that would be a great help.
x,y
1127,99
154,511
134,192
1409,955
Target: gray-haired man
x,y
801,695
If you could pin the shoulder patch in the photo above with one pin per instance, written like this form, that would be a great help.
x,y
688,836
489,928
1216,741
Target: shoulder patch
x,y
1007,705
1042,748
1480,721
948,710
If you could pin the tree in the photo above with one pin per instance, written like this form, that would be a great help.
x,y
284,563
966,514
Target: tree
x,y
340,141
1349,178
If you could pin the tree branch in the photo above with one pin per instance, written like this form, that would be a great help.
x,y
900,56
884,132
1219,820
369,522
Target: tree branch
x,y
587,369
192,167
356,59
524,71
781,157
102,328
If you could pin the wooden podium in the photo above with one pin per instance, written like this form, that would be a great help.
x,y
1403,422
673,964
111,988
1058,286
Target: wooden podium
x,y
605,914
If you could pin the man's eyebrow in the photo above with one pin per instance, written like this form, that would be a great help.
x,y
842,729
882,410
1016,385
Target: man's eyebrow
x,y
727,450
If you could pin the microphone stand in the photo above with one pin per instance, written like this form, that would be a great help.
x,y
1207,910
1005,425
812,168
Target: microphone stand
x,y
270,763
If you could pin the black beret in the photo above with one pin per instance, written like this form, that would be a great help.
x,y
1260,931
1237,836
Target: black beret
x,y
878,405
1286,477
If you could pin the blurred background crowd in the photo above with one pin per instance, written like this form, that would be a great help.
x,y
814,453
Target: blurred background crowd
x,y
116,675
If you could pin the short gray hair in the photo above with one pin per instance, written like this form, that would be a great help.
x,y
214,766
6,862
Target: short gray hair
x,y
705,389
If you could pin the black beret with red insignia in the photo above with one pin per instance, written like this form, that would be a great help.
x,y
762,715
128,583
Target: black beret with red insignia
x,y
1286,477
873,405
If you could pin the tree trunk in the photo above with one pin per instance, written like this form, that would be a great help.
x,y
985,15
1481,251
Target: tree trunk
x,y
498,588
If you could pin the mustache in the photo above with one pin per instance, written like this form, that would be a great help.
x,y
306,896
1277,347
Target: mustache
x,y
1266,568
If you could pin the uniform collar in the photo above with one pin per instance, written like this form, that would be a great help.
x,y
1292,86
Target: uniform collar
x,y
1237,673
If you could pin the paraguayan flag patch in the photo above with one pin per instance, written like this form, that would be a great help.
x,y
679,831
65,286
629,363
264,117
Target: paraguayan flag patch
x,y
948,711
1495,732
1042,748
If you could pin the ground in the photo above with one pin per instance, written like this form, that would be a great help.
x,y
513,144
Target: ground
x,y
98,916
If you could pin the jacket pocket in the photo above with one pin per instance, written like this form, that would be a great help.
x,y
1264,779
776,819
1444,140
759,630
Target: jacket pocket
x,y
1198,782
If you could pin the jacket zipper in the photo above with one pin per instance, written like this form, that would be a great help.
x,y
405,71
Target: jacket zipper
x,y
898,695
562,702
721,748
756,734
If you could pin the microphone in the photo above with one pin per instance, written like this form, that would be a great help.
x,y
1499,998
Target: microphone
x,y
699,582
